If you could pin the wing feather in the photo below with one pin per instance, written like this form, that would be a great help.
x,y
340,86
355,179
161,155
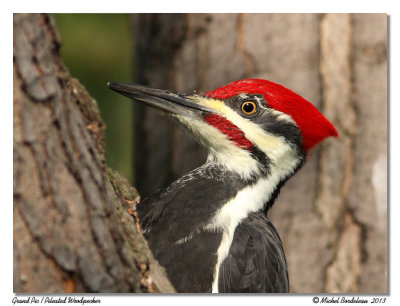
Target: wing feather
x,y
256,261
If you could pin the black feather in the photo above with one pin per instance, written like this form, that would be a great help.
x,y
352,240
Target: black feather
x,y
256,261
173,221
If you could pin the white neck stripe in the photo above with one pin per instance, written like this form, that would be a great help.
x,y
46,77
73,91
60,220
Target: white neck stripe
x,y
250,199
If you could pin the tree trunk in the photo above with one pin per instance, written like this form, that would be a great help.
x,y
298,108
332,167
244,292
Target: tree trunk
x,y
332,215
75,226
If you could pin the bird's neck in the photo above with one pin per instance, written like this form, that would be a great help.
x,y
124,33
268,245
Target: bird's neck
x,y
257,193
262,174
261,178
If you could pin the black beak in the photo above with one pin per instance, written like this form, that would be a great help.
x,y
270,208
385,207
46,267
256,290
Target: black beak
x,y
161,99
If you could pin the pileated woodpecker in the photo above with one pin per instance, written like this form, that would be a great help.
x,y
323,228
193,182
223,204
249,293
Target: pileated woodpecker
x,y
209,229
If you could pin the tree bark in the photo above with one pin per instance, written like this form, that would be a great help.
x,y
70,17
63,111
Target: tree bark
x,y
75,228
331,215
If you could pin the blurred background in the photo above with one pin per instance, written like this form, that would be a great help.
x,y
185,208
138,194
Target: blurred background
x,y
97,48
332,215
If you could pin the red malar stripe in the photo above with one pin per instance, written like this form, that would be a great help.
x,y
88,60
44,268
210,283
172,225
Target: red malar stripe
x,y
230,130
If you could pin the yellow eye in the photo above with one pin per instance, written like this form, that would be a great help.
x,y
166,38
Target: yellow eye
x,y
249,107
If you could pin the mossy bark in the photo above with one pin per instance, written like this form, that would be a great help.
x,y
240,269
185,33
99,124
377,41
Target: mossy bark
x,y
75,228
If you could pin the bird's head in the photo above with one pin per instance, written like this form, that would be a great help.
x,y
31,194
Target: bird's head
x,y
251,127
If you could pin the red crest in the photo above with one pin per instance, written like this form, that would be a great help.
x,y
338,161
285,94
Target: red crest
x,y
313,126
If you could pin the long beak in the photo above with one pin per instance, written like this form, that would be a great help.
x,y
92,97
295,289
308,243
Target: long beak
x,y
161,99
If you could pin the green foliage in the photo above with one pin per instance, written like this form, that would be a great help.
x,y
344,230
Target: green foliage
x,y
97,48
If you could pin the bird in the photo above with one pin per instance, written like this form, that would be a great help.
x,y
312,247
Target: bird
x,y
210,229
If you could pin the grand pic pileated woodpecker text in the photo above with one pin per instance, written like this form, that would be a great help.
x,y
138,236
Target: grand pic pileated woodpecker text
x,y
209,229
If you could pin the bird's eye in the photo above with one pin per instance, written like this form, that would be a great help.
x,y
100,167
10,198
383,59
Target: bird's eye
x,y
249,107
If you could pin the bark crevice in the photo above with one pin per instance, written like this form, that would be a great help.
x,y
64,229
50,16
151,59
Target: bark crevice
x,y
69,235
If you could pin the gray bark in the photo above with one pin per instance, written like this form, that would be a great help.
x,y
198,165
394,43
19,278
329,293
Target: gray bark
x,y
75,226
